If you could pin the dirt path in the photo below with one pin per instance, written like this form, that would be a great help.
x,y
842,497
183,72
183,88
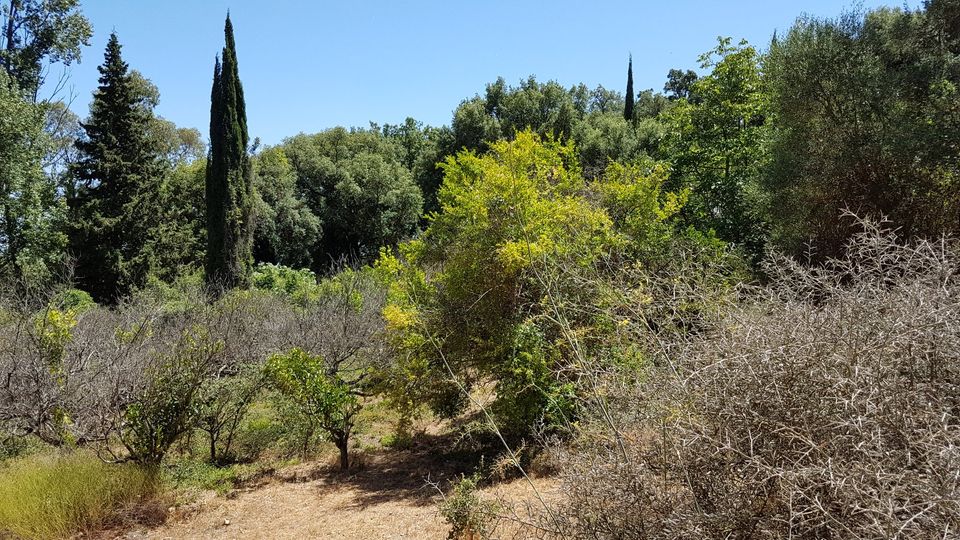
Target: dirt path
x,y
305,510
390,497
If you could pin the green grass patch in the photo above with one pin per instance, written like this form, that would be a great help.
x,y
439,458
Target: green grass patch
x,y
59,495
192,475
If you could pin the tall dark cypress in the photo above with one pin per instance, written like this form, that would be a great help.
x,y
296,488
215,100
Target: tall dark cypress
x,y
116,181
229,182
628,108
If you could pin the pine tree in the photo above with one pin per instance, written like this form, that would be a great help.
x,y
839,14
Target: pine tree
x,y
117,178
229,183
628,108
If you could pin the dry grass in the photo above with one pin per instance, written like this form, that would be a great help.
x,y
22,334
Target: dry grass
x,y
56,496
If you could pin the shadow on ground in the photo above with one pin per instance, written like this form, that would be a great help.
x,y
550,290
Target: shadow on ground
x,y
413,474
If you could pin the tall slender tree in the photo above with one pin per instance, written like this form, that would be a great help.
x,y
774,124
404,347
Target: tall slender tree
x,y
117,177
628,108
229,182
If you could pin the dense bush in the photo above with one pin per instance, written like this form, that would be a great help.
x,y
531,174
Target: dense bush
x,y
476,299
822,406
467,513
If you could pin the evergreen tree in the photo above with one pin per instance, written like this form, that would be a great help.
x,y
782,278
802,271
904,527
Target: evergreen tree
x,y
117,178
628,109
229,181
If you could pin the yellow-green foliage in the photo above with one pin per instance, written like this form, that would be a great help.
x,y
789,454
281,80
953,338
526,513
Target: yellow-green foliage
x,y
504,214
55,496
477,292
52,329
510,208
633,196
304,378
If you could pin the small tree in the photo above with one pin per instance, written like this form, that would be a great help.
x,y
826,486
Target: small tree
x,y
166,407
222,404
326,399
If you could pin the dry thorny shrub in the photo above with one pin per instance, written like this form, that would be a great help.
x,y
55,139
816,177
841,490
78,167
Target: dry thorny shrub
x,y
71,377
824,404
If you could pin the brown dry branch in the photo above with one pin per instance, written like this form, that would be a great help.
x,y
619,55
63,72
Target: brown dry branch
x,y
825,404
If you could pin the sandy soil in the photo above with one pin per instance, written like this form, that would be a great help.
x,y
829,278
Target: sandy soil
x,y
305,510
391,496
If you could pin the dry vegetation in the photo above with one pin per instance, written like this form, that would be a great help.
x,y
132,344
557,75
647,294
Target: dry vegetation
x,y
824,404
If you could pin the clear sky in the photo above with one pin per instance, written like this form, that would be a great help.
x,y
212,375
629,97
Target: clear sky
x,y
309,65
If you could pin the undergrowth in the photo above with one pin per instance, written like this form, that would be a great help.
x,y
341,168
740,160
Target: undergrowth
x,y
55,496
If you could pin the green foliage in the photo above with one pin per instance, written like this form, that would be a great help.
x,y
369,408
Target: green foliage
x,y
467,513
116,186
187,475
715,147
229,180
356,183
545,108
286,228
680,85
322,397
503,215
529,392
88,493
603,138
40,30
51,329
183,294
422,149
866,119
222,404
264,429
628,112
74,300
634,198
176,240
299,285
483,294
167,406
596,120
31,216
13,446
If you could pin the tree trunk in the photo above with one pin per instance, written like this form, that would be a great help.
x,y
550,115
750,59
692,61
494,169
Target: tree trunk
x,y
213,448
344,457
11,46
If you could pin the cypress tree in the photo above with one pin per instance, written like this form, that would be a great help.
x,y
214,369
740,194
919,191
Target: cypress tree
x,y
628,108
116,178
229,182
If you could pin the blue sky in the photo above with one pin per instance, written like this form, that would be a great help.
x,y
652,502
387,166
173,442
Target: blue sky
x,y
311,65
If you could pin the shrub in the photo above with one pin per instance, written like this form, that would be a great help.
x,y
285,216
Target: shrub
x,y
822,406
328,401
469,516
74,299
55,496
222,403
262,430
165,409
299,285
485,294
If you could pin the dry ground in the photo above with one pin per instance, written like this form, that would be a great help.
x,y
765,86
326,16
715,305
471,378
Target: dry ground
x,y
391,495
